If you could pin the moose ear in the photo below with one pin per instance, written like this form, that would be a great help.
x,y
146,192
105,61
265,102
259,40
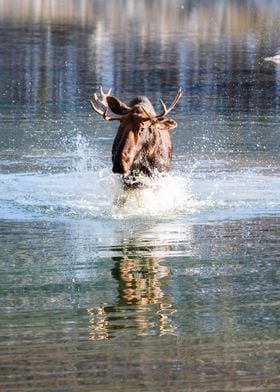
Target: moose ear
x,y
167,124
117,106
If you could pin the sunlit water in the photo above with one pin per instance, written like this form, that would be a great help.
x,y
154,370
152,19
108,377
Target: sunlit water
x,y
198,189
173,287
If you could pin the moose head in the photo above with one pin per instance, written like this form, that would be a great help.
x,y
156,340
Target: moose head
x,y
143,144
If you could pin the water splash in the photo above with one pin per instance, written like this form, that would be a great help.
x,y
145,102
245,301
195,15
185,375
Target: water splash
x,y
89,189
161,196
111,199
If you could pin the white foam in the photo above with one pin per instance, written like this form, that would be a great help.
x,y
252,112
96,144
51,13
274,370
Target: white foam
x,y
162,196
89,189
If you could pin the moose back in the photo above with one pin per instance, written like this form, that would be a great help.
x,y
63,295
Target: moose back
x,y
142,146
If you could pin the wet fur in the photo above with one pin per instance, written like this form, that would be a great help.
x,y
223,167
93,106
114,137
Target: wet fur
x,y
147,144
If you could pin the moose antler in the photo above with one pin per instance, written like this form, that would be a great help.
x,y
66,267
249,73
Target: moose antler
x,y
102,101
174,103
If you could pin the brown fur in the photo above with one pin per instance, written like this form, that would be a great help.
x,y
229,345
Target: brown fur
x,y
142,146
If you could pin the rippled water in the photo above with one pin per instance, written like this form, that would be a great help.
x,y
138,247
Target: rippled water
x,y
174,287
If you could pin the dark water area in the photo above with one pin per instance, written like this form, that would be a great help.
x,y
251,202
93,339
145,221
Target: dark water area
x,y
174,287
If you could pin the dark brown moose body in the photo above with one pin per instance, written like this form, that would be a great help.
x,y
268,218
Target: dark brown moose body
x,y
142,146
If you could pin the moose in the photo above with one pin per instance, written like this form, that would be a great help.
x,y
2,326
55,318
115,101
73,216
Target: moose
x,y
142,146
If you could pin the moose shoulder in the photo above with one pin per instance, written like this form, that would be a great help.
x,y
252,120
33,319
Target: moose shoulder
x,y
143,144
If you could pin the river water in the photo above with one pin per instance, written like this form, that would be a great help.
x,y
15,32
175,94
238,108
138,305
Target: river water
x,y
174,287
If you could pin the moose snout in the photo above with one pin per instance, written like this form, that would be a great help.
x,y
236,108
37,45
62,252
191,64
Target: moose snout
x,y
121,163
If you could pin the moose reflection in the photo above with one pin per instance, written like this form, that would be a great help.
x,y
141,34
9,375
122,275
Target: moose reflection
x,y
142,306
142,146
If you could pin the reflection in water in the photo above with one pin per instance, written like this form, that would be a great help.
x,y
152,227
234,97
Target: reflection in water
x,y
172,280
138,280
196,307
140,48
142,305
98,325
140,285
91,300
